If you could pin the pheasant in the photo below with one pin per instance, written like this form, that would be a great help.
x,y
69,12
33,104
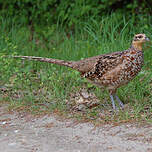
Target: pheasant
x,y
108,70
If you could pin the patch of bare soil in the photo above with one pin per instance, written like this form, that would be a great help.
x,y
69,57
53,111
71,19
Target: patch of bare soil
x,y
22,132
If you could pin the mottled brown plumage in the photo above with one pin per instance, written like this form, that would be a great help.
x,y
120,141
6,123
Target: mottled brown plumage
x,y
109,70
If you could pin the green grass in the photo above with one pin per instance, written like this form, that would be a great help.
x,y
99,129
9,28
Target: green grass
x,y
42,87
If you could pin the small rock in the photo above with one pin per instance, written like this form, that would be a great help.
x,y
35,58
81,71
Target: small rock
x,y
81,107
80,100
4,122
85,94
16,131
12,144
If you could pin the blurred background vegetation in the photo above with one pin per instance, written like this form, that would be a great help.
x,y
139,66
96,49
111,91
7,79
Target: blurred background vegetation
x,y
71,13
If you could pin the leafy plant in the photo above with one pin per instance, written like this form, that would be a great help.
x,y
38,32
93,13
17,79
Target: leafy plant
x,y
70,13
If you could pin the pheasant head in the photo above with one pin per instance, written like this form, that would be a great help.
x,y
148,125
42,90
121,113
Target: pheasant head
x,y
139,40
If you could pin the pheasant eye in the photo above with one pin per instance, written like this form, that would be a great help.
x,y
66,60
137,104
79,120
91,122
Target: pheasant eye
x,y
139,36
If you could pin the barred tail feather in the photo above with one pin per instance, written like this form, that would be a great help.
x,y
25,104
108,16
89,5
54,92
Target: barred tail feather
x,y
49,60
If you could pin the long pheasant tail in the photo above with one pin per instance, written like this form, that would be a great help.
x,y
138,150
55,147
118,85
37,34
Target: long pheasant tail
x,y
49,60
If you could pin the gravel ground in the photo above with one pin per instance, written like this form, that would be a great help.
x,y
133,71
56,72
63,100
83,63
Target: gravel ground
x,y
22,132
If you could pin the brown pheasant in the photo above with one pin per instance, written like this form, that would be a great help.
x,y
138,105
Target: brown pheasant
x,y
109,70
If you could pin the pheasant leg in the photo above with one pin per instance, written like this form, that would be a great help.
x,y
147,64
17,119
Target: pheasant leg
x,y
119,101
113,102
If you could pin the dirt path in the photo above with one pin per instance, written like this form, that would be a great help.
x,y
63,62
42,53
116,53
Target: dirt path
x,y
24,133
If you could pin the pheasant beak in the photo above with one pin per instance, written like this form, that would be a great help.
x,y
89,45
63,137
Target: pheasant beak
x,y
147,39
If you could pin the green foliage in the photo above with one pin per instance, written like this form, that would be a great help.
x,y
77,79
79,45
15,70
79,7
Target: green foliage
x,y
69,12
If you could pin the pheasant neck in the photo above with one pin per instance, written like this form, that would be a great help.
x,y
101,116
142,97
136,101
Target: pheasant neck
x,y
137,45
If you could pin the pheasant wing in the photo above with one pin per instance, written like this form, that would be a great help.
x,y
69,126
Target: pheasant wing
x,y
104,64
